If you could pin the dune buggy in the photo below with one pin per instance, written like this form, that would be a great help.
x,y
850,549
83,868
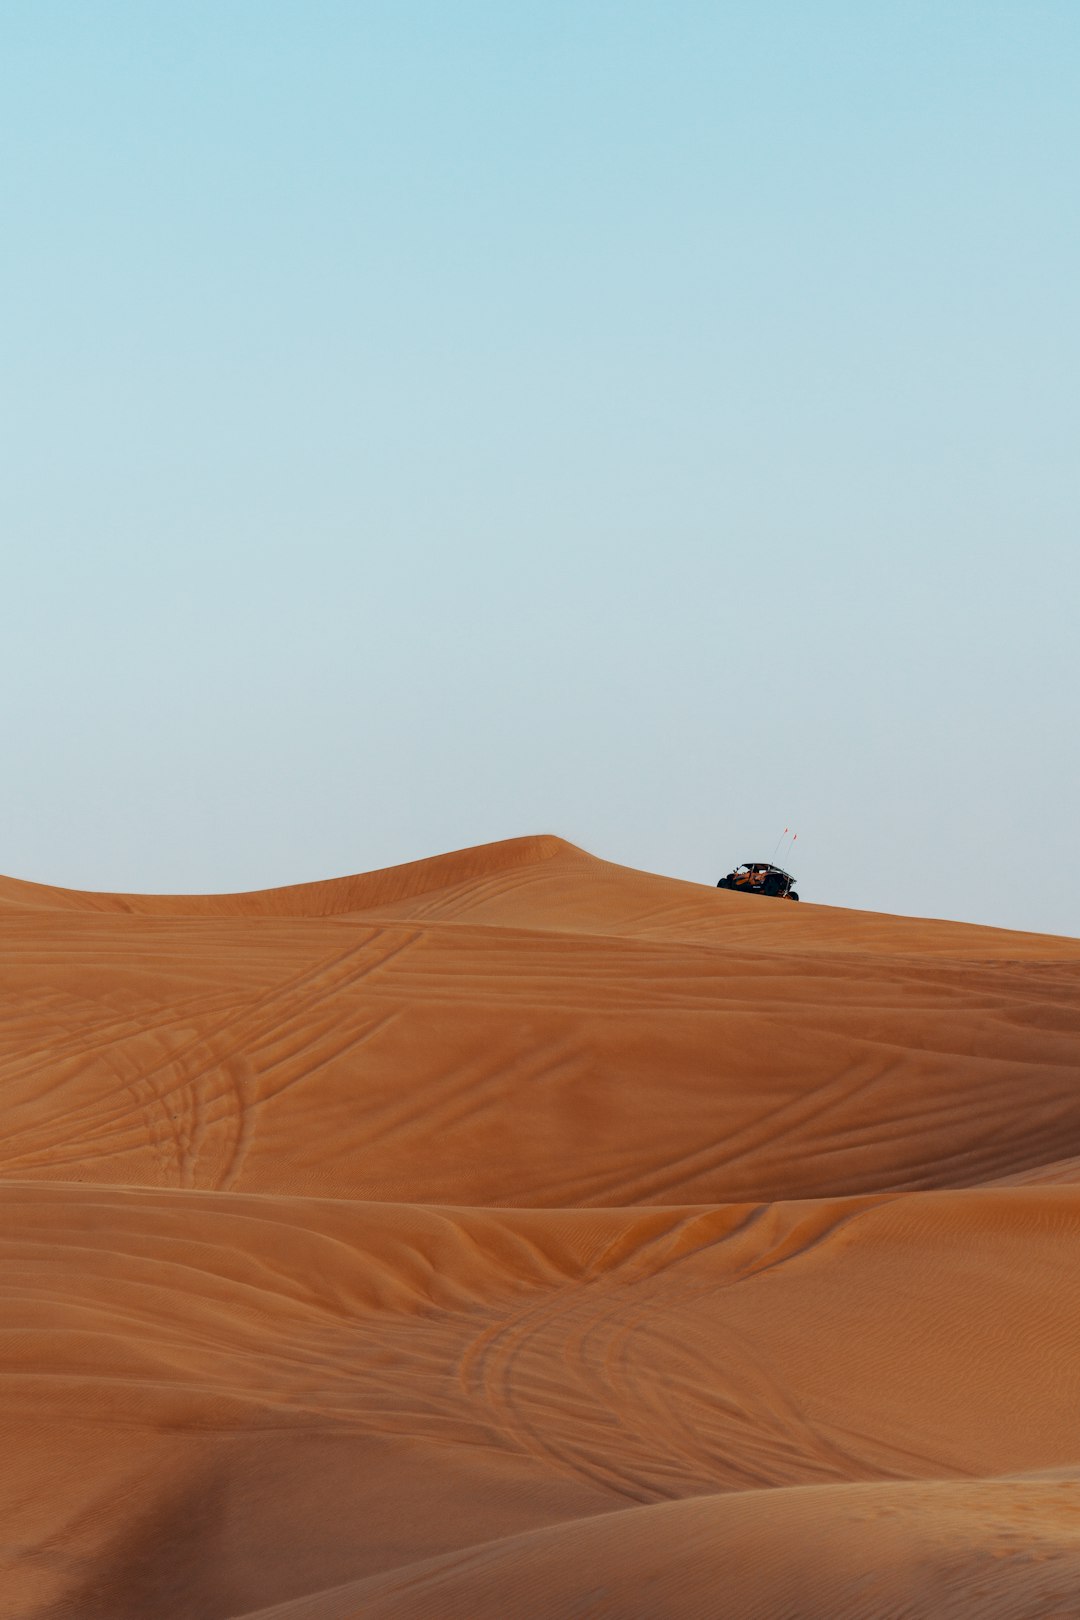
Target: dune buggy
x,y
760,877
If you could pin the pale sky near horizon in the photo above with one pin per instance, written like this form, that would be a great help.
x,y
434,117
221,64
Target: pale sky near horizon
x,y
654,424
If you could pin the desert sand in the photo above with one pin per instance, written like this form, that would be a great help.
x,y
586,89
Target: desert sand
x,y
511,1234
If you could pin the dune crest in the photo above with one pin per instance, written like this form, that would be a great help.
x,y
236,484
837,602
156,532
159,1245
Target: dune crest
x,y
513,1233
326,898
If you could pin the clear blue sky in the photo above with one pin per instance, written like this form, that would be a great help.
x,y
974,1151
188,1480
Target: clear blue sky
x,y
425,423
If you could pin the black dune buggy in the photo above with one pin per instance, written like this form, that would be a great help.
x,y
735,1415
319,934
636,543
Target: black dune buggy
x,y
759,877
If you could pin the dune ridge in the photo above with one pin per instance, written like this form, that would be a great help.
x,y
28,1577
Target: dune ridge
x,y
325,898
513,1233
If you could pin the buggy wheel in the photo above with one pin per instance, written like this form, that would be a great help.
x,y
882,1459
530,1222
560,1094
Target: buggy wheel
x,y
792,895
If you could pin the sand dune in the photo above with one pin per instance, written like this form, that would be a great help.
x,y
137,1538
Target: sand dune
x,y
513,1234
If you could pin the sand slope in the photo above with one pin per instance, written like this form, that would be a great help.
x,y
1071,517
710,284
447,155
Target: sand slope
x,y
512,1234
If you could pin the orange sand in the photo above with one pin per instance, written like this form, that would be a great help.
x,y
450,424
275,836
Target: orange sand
x,y
511,1234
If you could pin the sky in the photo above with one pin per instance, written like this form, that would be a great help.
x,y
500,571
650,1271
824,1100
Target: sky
x,y
654,424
